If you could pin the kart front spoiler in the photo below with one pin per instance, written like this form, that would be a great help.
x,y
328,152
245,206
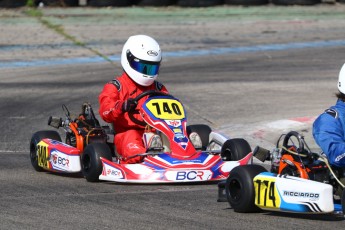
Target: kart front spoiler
x,y
163,169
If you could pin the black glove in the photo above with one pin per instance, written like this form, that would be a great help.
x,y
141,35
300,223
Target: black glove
x,y
129,105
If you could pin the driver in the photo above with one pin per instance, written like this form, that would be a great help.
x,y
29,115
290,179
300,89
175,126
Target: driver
x,y
140,59
329,127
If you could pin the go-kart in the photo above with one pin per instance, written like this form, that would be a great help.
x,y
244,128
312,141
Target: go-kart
x,y
300,181
89,148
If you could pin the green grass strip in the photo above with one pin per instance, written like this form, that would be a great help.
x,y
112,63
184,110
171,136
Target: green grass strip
x,y
36,13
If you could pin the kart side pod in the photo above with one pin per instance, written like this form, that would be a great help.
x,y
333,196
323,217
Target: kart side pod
x,y
292,194
250,188
54,156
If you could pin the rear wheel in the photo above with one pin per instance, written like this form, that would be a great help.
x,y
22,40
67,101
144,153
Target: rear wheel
x,y
239,188
91,160
235,149
203,131
35,139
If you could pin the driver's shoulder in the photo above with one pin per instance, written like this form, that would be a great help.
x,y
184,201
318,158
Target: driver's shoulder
x,y
116,83
332,111
119,82
158,86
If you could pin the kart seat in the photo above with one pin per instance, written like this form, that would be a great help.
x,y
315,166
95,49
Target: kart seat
x,y
87,118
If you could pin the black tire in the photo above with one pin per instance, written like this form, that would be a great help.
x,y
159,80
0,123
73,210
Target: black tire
x,y
203,131
246,2
235,149
156,2
58,2
91,162
239,188
296,2
199,3
35,139
71,2
12,3
103,3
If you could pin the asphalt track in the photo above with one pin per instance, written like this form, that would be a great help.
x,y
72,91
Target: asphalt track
x,y
241,94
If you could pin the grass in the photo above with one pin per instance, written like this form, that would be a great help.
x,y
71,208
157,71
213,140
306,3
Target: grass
x,y
36,13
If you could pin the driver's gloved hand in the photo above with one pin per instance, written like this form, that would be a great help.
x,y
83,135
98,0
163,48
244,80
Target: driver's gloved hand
x,y
128,105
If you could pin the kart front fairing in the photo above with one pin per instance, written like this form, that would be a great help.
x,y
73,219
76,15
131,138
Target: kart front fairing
x,y
183,163
164,168
293,194
167,115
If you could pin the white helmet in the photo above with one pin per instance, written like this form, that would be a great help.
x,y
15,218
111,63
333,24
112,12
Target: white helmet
x,y
141,57
341,80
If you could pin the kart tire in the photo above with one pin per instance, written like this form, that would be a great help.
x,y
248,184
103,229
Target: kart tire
x,y
235,149
203,131
246,2
35,139
105,3
199,3
12,4
91,160
155,2
57,2
239,188
296,2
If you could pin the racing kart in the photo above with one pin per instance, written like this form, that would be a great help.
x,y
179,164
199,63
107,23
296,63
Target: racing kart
x,y
89,147
299,181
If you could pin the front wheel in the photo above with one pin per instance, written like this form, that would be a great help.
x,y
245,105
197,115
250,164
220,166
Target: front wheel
x,y
91,160
240,190
35,139
235,149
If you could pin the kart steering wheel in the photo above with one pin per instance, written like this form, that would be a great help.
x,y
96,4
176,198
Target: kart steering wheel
x,y
295,134
137,99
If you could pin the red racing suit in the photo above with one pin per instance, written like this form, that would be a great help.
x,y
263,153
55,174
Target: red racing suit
x,y
128,135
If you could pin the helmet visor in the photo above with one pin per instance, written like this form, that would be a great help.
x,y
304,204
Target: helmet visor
x,y
141,66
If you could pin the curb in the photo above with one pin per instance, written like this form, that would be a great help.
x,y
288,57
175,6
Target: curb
x,y
266,134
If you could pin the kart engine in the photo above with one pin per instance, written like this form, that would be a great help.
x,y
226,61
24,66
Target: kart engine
x,y
294,158
82,130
